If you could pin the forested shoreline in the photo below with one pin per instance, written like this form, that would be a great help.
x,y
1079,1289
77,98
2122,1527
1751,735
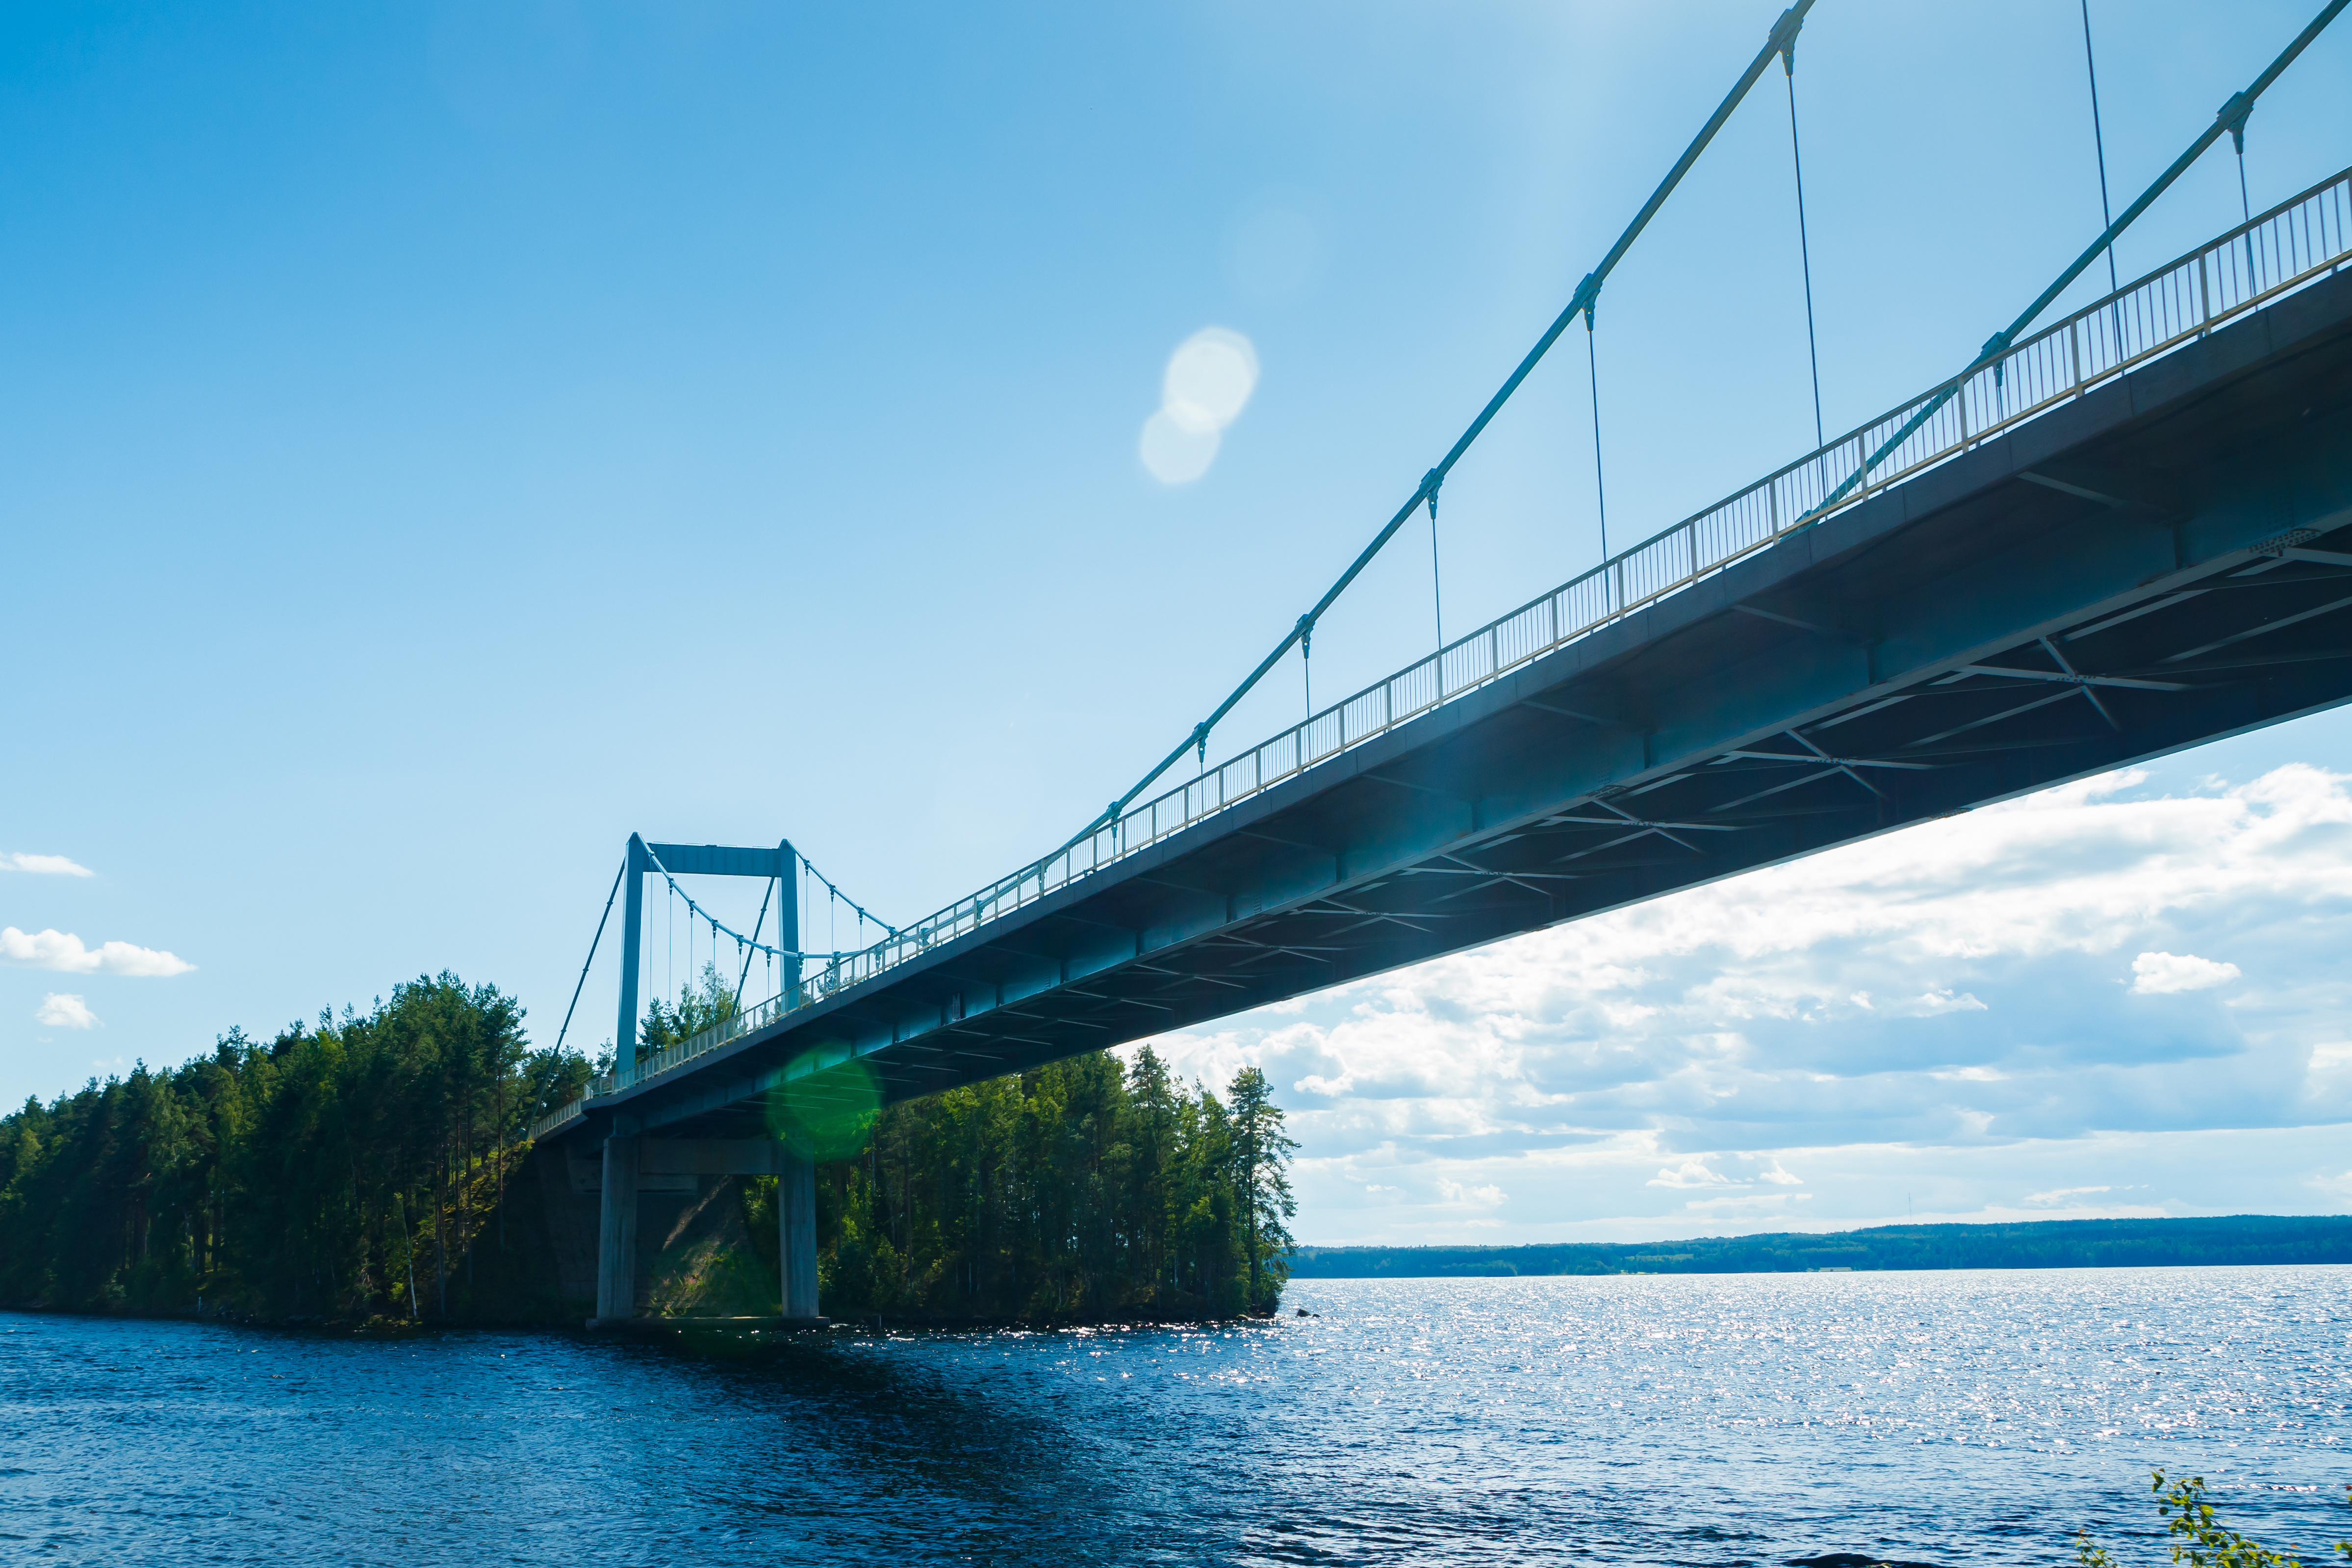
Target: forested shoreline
x,y
372,1168
2198,1241
352,1167
1159,1202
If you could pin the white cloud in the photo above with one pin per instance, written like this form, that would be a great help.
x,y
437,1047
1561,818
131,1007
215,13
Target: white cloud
x,y
2059,1195
64,951
1930,1003
44,866
1691,1174
60,1011
1455,1192
1944,993
1746,1205
2161,974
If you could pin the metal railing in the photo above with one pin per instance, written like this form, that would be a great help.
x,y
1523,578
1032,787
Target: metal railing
x,y
561,1114
2289,245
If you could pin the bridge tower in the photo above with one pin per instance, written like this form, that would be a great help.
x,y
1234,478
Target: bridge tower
x,y
629,1157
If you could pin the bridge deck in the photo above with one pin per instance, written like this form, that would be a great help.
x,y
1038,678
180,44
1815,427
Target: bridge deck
x,y
2160,562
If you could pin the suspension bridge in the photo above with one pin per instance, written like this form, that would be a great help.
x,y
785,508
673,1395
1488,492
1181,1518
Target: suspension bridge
x,y
2112,536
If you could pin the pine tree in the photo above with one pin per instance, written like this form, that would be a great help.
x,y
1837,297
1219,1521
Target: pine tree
x,y
1261,1154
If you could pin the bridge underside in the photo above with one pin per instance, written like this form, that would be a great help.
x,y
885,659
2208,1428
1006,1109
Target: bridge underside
x,y
2165,560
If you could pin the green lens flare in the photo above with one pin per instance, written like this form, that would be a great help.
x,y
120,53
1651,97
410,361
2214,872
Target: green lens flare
x,y
830,1112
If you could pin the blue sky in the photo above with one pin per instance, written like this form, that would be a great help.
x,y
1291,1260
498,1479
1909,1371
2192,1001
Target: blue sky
x,y
437,440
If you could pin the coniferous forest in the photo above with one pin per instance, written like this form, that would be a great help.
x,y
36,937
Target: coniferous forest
x,y
373,1167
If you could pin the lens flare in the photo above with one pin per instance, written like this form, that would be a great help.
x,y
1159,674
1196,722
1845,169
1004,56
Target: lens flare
x,y
1174,454
828,1112
1208,383
1210,378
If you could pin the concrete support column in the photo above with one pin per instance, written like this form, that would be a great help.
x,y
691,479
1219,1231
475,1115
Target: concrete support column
x,y
616,1234
796,1230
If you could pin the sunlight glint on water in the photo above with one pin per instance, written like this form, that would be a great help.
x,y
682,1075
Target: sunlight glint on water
x,y
1946,1418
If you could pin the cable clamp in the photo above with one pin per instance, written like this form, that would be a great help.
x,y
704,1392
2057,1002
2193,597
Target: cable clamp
x,y
2233,115
1588,292
1784,39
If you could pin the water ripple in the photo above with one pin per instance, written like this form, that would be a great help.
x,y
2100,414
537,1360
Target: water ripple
x,y
1947,1419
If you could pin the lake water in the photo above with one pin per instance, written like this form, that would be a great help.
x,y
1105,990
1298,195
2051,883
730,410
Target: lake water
x,y
1946,1418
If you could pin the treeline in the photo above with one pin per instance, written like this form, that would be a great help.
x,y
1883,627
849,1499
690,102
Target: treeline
x,y
342,1169
368,1166
1082,1189
1085,1190
2030,1244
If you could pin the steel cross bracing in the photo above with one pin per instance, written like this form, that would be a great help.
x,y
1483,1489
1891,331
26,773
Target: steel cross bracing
x,y
2163,559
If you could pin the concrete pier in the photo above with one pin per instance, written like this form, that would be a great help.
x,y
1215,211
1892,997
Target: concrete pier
x,y
633,1166
616,1231
797,1234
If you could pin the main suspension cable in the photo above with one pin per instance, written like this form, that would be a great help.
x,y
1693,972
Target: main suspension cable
x,y
1587,290
591,950
864,913
767,891
717,925
2231,117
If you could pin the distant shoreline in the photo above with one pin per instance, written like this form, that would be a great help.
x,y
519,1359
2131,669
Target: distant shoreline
x,y
2033,1243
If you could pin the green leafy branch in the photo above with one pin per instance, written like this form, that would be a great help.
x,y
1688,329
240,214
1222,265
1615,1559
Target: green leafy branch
x,y
2199,1538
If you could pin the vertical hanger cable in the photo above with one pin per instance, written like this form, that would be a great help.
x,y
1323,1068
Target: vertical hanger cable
x,y
1305,676
2099,141
1599,490
1436,597
1804,245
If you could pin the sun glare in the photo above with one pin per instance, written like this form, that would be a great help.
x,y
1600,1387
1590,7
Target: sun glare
x,y
1207,385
